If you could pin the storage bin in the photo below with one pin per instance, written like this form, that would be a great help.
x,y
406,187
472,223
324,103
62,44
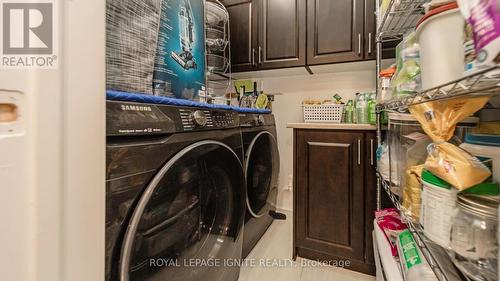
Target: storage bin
x,y
323,113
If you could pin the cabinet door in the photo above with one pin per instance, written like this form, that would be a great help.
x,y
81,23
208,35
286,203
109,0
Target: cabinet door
x,y
334,31
388,48
370,194
282,33
370,30
243,33
329,193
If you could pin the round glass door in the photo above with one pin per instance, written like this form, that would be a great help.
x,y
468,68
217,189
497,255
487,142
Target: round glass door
x,y
261,170
189,217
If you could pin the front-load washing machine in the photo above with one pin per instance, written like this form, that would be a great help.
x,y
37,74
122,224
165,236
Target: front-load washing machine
x,y
261,166
175,193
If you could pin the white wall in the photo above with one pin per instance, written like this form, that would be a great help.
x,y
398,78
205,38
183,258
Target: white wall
x,y
52,170
84,138
287,108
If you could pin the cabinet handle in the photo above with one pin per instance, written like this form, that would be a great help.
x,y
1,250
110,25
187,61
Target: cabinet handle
x,y
359,152
260,55
370,43
253,56
359,44
371,152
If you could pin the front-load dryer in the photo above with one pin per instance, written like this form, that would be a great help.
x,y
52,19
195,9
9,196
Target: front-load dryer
x,y
261,164
175,193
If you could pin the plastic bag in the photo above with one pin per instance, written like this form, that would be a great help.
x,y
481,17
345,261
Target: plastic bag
x,y
412,192
383,161
407,78
390,223
439,118
131,40
415,145
456,166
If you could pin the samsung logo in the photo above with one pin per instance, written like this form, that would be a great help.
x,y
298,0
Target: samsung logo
x,y
126,107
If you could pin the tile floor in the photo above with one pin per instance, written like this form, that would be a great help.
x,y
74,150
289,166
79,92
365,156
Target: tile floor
x,y
276,246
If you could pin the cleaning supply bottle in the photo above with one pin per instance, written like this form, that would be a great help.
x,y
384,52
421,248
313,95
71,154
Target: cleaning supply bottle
x,y
362,109
372,103
355,110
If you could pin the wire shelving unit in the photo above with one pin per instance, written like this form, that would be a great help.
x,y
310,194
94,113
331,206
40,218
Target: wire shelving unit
x,y
400,17
437,257
484,82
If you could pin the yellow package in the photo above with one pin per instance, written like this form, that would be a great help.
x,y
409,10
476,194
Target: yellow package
x,y
412,192
487,128
455,165
439,118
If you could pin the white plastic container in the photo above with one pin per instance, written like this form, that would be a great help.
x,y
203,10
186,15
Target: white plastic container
x,y
492,152
331,113
438,208
440,35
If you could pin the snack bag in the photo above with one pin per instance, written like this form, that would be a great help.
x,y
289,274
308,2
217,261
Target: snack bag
x,y
447,161
412,192
439,118
455,165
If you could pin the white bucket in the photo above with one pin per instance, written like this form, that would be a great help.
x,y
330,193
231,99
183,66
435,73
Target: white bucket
x,y
441,47
437,210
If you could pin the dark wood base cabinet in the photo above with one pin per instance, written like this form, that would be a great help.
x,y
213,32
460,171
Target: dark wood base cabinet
x,y
334,197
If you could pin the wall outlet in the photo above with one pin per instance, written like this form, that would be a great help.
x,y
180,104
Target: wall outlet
x,y
289,186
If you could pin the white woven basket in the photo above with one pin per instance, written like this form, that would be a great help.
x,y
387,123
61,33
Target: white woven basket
x,y
331,113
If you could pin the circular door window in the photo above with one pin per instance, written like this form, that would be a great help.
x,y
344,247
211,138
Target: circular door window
x,y
189,216
262,168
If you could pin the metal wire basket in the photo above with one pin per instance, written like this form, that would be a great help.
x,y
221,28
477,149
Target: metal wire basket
x,y
215,13
216,39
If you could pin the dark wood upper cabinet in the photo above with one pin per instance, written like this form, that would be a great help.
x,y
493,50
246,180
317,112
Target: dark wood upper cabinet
x,y
282,32
370,30
330,193
267,34
243,33
334,31
388,48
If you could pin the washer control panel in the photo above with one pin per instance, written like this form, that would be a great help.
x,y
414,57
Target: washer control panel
x,y
203,119
224,119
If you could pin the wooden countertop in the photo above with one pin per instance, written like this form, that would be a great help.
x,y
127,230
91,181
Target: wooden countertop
x,y
332,126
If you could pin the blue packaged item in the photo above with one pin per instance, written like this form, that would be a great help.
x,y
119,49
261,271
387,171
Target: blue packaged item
x,y
481,139
180,58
